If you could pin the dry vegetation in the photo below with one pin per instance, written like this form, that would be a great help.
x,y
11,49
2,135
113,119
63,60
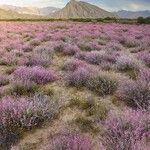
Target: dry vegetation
x,y
74,86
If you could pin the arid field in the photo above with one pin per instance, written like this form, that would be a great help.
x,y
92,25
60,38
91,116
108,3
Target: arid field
x,y
74,86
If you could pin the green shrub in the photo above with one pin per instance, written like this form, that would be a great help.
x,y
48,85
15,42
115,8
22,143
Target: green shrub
x,y
134,94
142,20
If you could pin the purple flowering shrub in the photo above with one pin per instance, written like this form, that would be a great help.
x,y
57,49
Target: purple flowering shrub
x,y
98,57
79,77
23,87
35,60
144,56
46,49
21,114
59,46
29,50
25,47
130,42
80,55
94,45
102,84
68,142
39,109
41,56
125,63
128,130
94,57
144,76
8,59
10,111
39,60
74,64
36,74
70,49
135,94
113,46
89,77
23,61
59,37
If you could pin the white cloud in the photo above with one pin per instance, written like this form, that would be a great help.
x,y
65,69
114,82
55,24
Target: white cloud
x,y
134,6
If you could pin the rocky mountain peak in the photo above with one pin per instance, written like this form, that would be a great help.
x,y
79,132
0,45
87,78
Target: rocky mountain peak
x,y
79,9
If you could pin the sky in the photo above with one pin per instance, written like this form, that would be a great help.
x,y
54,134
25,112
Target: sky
x,y
111,5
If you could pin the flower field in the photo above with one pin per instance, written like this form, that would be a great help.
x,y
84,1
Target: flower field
x,y
74,86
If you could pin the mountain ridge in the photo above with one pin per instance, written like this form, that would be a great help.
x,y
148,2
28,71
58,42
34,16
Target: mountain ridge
x,y
73,9
132,14
45,11
79,9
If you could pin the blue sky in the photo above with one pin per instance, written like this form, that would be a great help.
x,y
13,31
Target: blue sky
x,y
106,4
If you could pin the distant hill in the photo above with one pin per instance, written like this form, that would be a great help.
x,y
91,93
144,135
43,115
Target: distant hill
x,y
46,11
132,14
9,14
79,9
73,9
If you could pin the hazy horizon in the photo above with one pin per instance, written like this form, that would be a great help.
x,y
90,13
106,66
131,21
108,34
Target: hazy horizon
x,y
110,5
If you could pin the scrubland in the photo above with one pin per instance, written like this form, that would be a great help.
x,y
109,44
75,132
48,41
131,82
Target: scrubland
x,y
74,86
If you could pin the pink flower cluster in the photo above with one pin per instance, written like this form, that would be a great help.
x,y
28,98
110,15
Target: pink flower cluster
x,y
37,74
20,114
127,130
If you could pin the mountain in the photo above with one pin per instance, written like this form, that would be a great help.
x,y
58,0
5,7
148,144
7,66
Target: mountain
x,y
79,9
4,14
46,11
132,14
9,14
